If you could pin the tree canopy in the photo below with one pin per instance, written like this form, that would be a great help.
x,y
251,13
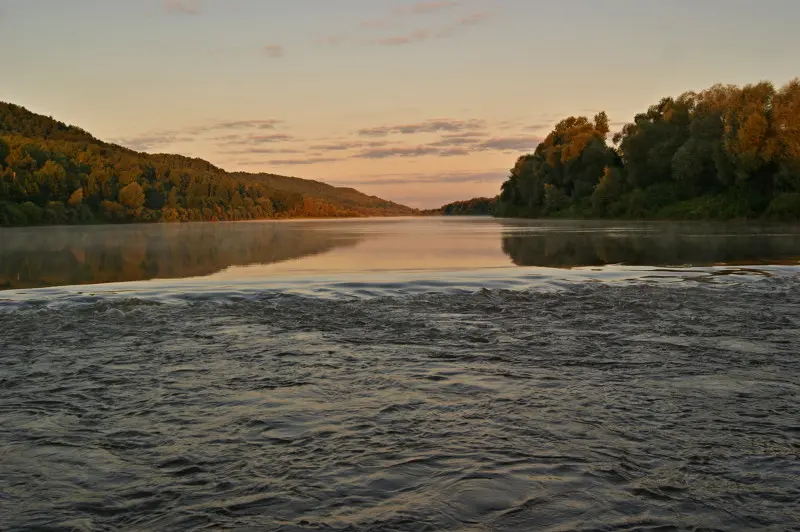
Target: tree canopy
x,y
470,207
726,152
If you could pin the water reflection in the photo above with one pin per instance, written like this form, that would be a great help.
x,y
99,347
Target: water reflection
x,y
569,244
57,256
262,251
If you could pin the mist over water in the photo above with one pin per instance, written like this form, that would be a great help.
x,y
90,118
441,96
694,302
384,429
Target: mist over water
x,y
263,253
426,374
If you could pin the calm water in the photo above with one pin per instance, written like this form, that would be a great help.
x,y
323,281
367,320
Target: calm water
x,y
418,374
279,255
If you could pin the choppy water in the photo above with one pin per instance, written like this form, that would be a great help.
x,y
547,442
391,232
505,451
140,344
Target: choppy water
x,y
615,398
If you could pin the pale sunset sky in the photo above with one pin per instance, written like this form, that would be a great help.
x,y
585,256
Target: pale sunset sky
x,y
417,102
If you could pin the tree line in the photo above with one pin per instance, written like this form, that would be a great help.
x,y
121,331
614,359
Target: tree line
x,y
52,173
470,207
727,152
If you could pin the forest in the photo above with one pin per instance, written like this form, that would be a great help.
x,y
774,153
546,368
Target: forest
x,y
727,152
52,173
470,207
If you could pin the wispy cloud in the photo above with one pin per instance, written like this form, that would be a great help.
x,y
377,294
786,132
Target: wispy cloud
x,y
399,151
235,125
336,146
152,142
446,146
524,143
264,139
468,139
424,8
331,40
183,7
466,134
441,31
274,51
301,161
273,151
244,144
429,126
451,138
400,12
454,152
156,139
413,11
453,146
261,151
402,179
227,138
473,19
540,126
346,145
408,38
374,24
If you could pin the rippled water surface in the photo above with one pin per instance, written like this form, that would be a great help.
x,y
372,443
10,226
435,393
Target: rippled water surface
x,y
360,376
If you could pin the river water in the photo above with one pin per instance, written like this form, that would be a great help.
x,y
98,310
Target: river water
x,y
401,374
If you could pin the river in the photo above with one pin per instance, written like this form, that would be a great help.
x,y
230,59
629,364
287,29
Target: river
x,y
400,374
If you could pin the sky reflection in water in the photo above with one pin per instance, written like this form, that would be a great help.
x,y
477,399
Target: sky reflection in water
x,y
252,251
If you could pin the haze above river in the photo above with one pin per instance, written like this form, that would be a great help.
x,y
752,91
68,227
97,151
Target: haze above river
x,y
316,253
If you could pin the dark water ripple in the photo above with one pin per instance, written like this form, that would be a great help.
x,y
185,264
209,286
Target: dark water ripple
x,y
599,407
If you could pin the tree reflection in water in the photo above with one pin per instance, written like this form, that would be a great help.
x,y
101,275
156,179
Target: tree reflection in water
x,y
40,257
55,256
573,244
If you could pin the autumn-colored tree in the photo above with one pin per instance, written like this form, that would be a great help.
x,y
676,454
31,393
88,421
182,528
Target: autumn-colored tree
x,y
76,198
750,138
786,117
132,196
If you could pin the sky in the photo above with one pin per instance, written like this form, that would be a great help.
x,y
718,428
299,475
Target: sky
x,y
420,102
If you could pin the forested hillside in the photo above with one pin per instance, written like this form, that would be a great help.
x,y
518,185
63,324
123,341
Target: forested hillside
x,y
51,173
726,152
343,196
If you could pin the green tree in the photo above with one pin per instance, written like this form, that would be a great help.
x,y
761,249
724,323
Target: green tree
x,y
724,152
4,151
607,191
112,211
172,199
33,213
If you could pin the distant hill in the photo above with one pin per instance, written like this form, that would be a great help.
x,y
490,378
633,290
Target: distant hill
x,y
53,173
345,196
